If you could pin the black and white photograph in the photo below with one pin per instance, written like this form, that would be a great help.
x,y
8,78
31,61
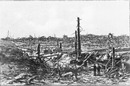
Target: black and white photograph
x,y
64,43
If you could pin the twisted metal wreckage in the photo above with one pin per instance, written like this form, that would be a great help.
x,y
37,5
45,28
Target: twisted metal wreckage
x,y
101,61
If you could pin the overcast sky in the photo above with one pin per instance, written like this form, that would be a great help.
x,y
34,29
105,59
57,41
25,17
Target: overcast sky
x,y
24,18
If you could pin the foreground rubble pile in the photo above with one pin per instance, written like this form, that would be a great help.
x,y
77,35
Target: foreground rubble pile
x,y
84,78
56,70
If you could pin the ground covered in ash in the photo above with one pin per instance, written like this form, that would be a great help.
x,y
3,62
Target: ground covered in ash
x,y
15,70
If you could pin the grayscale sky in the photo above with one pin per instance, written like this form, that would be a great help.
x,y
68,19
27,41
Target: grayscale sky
x,y
46,18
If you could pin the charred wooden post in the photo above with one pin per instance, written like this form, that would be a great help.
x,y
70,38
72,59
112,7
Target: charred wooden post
x,y
61,46
94,69
76,43
38,50
38,53
79,42
113,57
